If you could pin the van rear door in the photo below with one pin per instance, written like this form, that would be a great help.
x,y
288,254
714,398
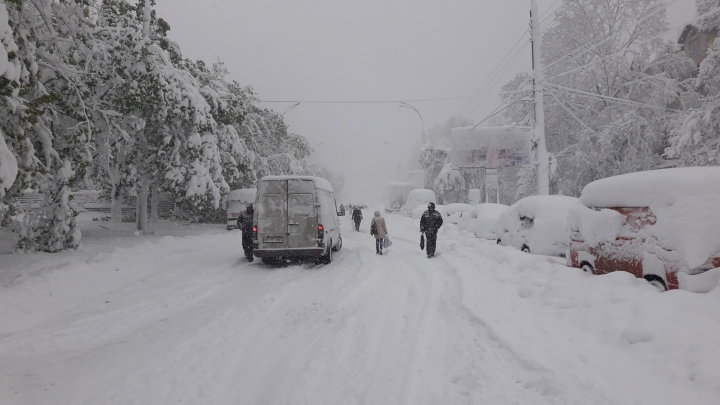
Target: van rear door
x,y
272,214
302,215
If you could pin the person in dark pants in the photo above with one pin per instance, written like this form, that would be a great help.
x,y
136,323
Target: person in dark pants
x,y
378,229
357,217
245,224
430,223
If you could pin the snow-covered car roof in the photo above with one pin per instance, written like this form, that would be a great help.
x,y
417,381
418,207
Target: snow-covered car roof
x,y
422,194
320,183
246,195
489,210
555,206
643,189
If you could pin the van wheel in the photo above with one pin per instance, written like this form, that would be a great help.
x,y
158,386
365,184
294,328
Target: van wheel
x,y
657,282
338,246
587,268
327,259
525,249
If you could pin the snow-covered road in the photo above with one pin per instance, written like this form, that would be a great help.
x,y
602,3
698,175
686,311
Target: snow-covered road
x,y
187,320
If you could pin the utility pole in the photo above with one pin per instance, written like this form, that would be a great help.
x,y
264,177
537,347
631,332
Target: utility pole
x,y
543,169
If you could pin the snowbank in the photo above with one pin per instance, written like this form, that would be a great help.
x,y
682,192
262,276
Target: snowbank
x,y
642,189
537,222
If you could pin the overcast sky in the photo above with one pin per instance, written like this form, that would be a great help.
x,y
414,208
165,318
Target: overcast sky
x,y
371,50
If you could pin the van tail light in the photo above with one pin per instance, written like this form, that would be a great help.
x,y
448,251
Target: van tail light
x,y
321,232
254,232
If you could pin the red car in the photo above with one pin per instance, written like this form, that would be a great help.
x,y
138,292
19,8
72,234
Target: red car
x,y
661,225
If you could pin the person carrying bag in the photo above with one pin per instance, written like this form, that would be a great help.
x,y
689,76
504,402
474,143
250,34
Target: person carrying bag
x,y
379,230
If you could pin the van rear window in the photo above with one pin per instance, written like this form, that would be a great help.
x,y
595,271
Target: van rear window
x,y
272,206
302,205
301,187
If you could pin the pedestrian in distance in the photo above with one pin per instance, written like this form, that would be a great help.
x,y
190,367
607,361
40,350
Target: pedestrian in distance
x,y
430,223
357,218
245,224
378,229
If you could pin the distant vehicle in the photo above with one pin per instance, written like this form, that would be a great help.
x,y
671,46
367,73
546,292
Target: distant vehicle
x,y
417,197
237,202
296,217
536,224
395,196
660,225
481,219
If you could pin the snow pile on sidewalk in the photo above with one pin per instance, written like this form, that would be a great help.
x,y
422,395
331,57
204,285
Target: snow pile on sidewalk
x,y
616,332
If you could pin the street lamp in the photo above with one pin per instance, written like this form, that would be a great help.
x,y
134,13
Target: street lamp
x,y
397,154
290,108
406,105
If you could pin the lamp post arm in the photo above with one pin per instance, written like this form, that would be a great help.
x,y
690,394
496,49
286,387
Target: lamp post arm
x,y
406,105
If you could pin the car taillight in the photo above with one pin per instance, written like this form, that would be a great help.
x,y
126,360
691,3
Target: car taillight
x,y
321,232
254,231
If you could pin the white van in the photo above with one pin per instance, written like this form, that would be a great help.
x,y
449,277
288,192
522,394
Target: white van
x,y
296,217
237,202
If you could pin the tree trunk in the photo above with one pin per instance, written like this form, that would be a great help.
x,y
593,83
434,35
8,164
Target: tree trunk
x,y
116,204
142,206
154,202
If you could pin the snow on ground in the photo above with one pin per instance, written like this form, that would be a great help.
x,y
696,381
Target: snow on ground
x,y
184,319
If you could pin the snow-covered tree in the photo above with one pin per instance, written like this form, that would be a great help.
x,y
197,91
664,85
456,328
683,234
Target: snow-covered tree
x,y
696,135
612,89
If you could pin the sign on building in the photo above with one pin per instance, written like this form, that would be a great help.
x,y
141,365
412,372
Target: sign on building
x,y
491,147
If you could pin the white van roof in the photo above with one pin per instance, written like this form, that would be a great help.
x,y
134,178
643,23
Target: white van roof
x,y
319,182
642,189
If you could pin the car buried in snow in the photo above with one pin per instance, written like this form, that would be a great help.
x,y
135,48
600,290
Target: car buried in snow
x,y
660,225
536,224
481,218
296,218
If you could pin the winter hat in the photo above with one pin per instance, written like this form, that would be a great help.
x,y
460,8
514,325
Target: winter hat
x,y
431,205
377,213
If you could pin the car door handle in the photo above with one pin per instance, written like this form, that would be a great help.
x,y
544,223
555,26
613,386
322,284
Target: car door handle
x,y
293,223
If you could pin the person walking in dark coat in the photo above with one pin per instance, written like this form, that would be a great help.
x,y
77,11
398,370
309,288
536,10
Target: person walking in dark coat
x,y
245,224
430,223
357,217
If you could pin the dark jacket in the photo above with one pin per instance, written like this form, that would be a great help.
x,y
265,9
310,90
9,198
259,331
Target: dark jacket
x,y
357,215
245,222
430,221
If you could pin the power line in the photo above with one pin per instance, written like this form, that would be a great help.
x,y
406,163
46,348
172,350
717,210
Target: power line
x,y
607,98
489,77
504,71
382,101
